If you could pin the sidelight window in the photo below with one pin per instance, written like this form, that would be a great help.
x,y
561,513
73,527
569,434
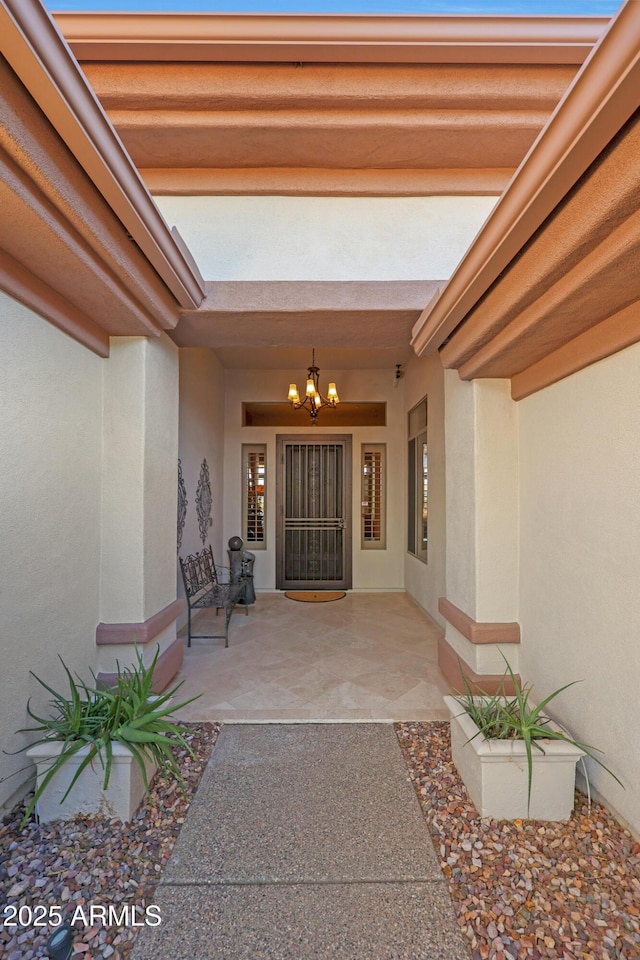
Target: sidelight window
x,y
254,464
373,504
418,487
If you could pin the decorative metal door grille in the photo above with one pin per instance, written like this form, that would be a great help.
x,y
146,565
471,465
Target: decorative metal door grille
x,y
314,532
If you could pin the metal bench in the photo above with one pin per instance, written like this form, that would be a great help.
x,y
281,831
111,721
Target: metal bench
x,y
206,586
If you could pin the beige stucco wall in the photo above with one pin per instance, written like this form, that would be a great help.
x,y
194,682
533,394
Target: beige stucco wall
x,y
87,505
50,489
481,431
372,569
580,560
160,464
460,492
496,498
327,238
201,436
122,593
426,581
481,423
140,452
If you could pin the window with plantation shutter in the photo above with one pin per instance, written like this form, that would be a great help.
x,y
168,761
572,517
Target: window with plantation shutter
x,y
373,496
254,465
418,477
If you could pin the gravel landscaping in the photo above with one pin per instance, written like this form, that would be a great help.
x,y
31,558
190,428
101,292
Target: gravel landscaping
x,y
526,889
92,861
522,889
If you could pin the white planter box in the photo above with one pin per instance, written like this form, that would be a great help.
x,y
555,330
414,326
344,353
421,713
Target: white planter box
x,y
121,800
495,772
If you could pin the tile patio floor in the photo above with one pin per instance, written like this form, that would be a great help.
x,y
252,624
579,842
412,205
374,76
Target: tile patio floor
x,y
370,656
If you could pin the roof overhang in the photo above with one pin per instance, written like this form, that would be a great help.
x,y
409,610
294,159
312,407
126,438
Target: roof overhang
x,y
385,105
472,321
46,69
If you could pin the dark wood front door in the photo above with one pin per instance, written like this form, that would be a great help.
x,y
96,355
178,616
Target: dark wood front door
x,y
313,549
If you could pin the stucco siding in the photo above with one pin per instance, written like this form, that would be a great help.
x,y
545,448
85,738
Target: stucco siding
x,y
50,496
201,436
160,482
327,238
460,435
580,560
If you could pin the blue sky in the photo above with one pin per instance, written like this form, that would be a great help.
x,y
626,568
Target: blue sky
x,y
577,7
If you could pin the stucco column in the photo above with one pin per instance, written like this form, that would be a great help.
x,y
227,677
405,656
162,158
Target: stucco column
x,y
481,603
140,453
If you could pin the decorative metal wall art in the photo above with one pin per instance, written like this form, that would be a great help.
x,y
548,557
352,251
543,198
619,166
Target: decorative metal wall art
x,y
203,501
182,504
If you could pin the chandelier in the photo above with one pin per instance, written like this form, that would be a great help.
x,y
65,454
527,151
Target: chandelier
x,y
313,399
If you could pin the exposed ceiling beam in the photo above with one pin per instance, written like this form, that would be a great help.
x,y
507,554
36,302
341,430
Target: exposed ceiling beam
x,y
323,182
345,315
328,129
330,38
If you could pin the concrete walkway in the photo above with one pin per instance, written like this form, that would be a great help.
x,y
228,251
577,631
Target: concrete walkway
x,y
304,842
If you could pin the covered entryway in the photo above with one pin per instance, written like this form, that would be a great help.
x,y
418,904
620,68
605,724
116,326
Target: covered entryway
x,y
369,656
313,546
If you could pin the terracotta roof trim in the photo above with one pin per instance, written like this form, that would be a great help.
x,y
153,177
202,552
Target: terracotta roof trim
x,y
601,99
39,55
331,37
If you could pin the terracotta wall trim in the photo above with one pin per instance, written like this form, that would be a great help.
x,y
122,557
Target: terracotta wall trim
x,y
37,53
454,669
167,665
330,38
116,633
476,632
600,100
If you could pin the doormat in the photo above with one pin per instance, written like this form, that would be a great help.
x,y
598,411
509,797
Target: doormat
x,y
315,596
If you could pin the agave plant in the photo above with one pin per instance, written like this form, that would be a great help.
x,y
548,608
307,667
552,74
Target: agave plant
x,y
97,717
500,716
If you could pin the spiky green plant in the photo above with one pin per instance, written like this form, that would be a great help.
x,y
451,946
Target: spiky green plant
x,y
127,713
499,716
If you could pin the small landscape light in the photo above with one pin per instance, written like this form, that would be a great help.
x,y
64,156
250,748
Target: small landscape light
x,y
60,943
